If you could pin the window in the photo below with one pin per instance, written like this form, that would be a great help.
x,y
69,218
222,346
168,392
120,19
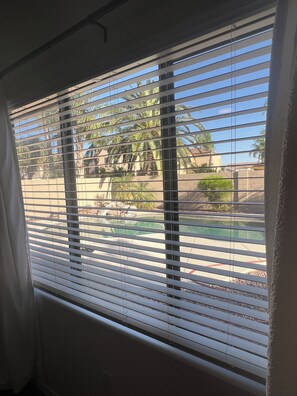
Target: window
x,y
143,191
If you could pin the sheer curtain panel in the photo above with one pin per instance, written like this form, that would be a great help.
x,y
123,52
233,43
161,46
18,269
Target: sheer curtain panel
x,y
17,338
280,200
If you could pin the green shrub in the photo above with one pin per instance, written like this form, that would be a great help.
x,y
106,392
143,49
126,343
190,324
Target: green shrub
x,y
123,189
216,189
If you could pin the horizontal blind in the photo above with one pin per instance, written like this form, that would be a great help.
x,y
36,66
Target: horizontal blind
x,y
143,194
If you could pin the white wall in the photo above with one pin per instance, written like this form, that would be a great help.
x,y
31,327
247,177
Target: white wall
x,y
78,348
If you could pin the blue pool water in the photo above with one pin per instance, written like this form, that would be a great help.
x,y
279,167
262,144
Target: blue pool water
x,y
223,229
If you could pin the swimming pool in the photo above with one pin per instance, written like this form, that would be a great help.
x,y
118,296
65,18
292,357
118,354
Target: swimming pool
x,y
219,228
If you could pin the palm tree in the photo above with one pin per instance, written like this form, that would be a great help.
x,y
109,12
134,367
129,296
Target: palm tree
x,y
202,140
134,137
28,166
259,148
80,135
259,144
37,158
43,151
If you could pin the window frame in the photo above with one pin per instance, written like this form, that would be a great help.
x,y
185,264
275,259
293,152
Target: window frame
x,y
170,191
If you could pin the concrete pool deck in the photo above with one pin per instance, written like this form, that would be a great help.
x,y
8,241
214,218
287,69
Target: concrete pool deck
x,y
202,257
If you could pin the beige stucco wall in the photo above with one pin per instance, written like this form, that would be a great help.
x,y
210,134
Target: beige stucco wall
x,y
89,188
52,190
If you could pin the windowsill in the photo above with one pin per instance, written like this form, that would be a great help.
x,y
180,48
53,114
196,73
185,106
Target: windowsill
x,y
209,368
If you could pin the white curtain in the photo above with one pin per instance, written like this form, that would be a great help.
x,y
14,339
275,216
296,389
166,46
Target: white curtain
x,y
281,204
17,325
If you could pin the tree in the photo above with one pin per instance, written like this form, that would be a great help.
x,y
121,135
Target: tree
x,y
259,148
35,157
28,164
41,155
201,140
134,137
259,144
50,160
88,129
